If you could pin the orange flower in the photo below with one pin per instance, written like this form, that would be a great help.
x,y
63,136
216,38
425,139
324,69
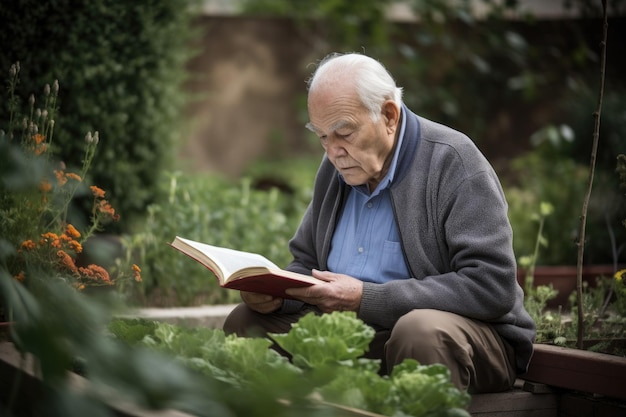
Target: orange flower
x,y
136,272
97,192
106,208
72,176
41,148
28,245
72,232
96,272
45,186
20,277
67,261
39,138
51,239
61,179
75,246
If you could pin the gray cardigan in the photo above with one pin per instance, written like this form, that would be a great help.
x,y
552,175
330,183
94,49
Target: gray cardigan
x,y
455,234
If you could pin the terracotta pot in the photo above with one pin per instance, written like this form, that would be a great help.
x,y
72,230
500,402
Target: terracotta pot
x,y
563,279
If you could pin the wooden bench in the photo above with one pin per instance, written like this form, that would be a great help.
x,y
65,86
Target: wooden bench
x,y
524,400
561,382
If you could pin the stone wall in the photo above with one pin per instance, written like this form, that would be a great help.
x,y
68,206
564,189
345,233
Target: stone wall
x,y
248,85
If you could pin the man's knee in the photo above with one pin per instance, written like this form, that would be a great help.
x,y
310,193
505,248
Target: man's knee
x,y
422,328
242,321
471,350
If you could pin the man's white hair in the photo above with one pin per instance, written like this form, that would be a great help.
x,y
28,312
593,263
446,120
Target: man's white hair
x,y
373,82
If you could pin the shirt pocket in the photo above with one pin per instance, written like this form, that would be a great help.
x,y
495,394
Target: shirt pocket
x,y
392,263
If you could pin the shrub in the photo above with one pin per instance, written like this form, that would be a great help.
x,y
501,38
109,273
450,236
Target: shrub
x,y
211,209
539,177
121,64
37,191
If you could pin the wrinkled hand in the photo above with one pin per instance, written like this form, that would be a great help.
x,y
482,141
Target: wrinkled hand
x,y
261,303
338,293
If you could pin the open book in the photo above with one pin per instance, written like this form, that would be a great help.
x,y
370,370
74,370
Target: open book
x,y
243,271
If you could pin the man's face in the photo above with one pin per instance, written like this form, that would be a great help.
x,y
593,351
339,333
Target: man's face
x,y
359,148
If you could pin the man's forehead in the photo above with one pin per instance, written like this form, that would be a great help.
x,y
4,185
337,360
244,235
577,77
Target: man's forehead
x,y
333,127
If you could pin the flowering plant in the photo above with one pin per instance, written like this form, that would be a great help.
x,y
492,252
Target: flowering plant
x,y
35,219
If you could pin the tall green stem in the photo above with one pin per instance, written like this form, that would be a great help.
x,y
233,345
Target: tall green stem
x,y
592,165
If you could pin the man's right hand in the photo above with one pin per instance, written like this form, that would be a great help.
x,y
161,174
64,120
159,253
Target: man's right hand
x,y
261,303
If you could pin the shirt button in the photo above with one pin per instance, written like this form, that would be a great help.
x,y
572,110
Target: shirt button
x,y
369,205
361,249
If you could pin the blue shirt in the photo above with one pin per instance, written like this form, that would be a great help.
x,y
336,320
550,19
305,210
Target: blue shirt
x,y
366,243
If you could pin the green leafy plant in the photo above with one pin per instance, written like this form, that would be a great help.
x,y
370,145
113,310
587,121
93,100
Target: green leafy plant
x,y
212,209
36,220
330,339
326,366
53,325
620,292
603,305
122,65
536,298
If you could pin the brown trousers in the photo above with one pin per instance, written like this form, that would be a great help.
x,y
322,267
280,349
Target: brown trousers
x,y
478,359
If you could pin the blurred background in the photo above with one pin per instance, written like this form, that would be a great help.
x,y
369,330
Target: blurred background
x,y
200,107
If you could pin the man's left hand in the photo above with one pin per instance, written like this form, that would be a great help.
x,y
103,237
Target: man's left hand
x,y
338,292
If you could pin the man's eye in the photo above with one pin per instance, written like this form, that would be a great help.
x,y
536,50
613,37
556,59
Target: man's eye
x,y
344,135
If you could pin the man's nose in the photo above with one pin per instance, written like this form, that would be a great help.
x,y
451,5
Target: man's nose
x,y
335,148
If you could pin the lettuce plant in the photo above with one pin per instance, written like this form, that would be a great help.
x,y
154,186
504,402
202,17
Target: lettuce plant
x,y
326,364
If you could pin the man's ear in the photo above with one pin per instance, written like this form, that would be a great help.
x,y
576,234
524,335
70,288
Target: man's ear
x,y
391,114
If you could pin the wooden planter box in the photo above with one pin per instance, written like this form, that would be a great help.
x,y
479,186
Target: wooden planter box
x,y
31,391
563,279
561,382
578,370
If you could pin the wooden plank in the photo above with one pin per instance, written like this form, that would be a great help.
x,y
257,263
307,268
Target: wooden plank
x,y
519,413
30,391
578,370
577,405
515,403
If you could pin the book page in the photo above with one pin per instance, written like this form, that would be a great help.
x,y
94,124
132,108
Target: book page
x,y
231,260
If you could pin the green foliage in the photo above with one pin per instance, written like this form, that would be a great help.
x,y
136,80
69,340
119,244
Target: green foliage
x,y
453,56
602,304
620,292
327,367
121,65
237,361
540,176
132,331
210,209
60,326
411,390
36,195
317,341
346,24
603,316
457,67
294,175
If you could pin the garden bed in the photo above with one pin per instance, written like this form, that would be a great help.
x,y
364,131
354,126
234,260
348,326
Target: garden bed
x,y
556,395
579,370
561,382
30,391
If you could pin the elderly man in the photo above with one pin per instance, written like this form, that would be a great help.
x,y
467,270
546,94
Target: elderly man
x,y
407,227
